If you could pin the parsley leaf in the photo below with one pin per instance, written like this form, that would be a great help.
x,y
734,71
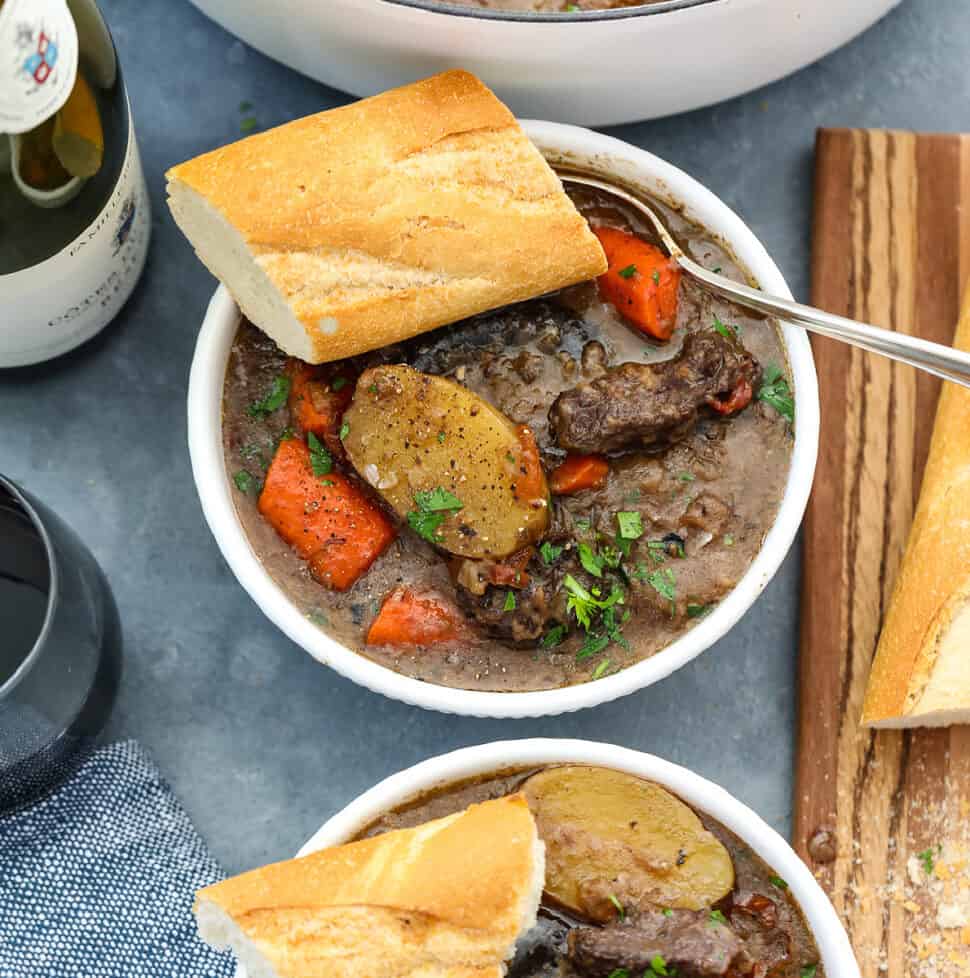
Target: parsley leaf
x,y
550,552
657,550
583,604
593,645
656,276
337,383
554,636
927,858
600,669
276,398
658,966
778,882
728,332
619,973
509,602
344,430
320,459
244,481
808,971
631,525
434,507
591,561
627,272
698,610
664,583
717,917
619,906
775,391
248,123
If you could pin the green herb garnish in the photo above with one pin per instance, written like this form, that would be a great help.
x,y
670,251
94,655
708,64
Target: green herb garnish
x,y
245,106
656,277
808,971
582,524
627,272
619,906
658,966
344,430
726,331
244,481
657,550
619,973
318,618
441,437
774,390
584,604
320,459
728,540
600,669
778,882
668,912
248,123
554,636
591,561
698,610
664,583
717,917
275,399
253,453
549,552
686,476
509,602
631,525
337,383
593,645
434,507
928,858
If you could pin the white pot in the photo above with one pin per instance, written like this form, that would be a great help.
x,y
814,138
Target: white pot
x,y
636,169
703,795
593,68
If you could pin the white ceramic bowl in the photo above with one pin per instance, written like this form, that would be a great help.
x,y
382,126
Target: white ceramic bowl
x,y
833,944
595,68
637,169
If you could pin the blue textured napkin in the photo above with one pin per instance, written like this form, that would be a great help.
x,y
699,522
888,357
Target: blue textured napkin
x,y
97,879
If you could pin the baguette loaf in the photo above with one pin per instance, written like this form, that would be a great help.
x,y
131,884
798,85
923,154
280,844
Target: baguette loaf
x,y
365,225
447,899
921,672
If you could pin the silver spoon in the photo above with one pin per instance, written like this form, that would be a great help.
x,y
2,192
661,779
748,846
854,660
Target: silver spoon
x,y
934,358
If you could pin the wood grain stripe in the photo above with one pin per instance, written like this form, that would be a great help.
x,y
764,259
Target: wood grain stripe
x,y
891,246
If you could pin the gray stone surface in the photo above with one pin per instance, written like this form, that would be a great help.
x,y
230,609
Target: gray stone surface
x,y
261,743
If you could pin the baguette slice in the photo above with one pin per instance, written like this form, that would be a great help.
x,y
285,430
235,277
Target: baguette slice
x,y
365,225
447,899
921,672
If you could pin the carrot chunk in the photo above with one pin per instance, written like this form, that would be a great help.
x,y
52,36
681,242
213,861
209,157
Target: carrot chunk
x,y
736,401
577,473
327,520
408,618
641,282
318,398
530,482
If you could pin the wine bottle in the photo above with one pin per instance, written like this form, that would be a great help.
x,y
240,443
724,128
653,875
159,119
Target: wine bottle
x,y
74,213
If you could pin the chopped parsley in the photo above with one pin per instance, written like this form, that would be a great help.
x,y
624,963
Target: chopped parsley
x,y
928,858
728,540
554,636
619,906
582,525
656,276
808,971
549,552
627,272
619,973
441,437
592,562
658,966
727,331
717,917
631,525
584,604
434,507
664,583
717,271
698,610
252,453
778,882
248,123
599,671
337,383
320,459
668,912
318,617
509,602
372,389
273,400
686,476
344,430
657,550
593,645
244,481
775,391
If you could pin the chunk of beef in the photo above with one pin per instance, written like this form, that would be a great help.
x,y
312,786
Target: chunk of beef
x,y
694,943
645,405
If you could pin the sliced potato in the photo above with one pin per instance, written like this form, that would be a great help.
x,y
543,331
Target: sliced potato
x,y
410,434
614,838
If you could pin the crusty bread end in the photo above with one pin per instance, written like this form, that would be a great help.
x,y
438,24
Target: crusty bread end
x,y
368,224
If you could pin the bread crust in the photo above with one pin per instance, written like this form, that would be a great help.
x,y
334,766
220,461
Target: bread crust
x,y
392,216
933,585
451,895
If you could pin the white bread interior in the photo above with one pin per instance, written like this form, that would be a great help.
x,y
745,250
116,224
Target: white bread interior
x,y
367,224
447,899
921,672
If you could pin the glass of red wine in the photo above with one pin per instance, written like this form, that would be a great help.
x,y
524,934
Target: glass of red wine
x,y
60,648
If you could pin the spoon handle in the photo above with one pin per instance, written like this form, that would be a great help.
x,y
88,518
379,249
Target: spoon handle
x,y
935,358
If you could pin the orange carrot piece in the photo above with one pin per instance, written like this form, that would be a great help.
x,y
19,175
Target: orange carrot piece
x,y
407,618
314,404
327,519
736,401
641,282
577,473
530,483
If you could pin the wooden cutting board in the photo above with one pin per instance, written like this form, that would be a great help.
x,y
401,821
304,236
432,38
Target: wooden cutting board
x,y
891,246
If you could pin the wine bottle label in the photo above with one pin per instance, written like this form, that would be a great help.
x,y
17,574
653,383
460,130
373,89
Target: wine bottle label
x,y
38,61
66,299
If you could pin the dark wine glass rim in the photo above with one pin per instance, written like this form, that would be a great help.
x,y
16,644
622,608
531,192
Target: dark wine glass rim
x,y
454,9
28,661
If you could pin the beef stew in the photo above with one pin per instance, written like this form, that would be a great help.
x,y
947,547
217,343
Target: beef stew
x,y
638,435
637,882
